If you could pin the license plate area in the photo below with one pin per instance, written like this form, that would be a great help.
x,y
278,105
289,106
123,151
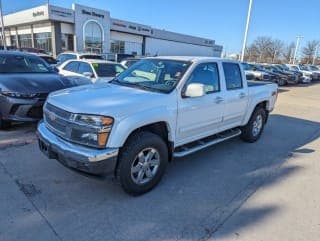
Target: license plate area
x,y
45,148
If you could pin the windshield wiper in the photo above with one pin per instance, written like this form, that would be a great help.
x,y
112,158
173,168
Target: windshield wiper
x,y
137,85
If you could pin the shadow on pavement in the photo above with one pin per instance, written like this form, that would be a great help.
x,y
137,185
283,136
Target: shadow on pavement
x,y
18,134
196,196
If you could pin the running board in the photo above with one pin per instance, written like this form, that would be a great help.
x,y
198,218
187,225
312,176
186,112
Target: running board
x,y
206,142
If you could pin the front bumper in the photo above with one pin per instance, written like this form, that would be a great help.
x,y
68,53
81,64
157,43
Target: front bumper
x,y
306,79
89,160
16,109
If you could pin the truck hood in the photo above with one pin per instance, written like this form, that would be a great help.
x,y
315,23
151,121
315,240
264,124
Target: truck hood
x,y
106,99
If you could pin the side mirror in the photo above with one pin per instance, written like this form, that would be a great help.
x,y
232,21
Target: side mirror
x,y
195,90
88,74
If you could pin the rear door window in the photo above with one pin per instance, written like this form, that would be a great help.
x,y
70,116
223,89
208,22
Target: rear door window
x,y
233,76
84,68
72,67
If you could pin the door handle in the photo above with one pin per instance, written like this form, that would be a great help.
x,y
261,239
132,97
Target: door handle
x,y
218,100
242,95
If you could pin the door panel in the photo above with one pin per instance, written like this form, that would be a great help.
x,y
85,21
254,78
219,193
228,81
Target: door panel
x,y
236,96
201,116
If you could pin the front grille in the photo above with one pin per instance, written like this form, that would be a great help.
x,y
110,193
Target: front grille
x,y
56,119
57,111
59,122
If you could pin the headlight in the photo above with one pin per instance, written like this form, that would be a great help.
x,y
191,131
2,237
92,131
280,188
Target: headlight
x,y
90,138
92,120
307,74
18,95
94,129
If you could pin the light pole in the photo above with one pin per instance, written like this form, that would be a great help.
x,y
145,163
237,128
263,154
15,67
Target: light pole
x,y
246,31
315,54
2,28
297,48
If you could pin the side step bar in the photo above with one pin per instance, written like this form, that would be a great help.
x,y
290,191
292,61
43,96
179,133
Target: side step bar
x,y
206,142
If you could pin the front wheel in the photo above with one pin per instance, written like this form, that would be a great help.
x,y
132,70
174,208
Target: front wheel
x,y
4,124
142,163
253,130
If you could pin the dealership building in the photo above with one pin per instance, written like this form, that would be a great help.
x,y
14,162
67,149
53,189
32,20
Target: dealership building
x,y
85,29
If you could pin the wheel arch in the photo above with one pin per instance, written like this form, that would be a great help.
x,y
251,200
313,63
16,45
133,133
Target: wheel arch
x,y
264,104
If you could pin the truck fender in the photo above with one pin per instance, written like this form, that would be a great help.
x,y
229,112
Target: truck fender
x,y
252,107
123,128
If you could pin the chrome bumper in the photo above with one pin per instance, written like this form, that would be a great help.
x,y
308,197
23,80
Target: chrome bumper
x,y
94,161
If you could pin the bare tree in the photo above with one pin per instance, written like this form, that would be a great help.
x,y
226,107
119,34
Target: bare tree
x,y
308,51
288,52
264,49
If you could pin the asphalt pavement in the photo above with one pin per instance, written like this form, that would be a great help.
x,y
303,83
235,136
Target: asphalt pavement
x,y
264,191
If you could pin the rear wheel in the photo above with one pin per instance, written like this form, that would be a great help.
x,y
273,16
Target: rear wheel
x,y
142,163
253,130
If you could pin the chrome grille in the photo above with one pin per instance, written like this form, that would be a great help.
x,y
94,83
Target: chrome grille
x,y
57,111
56,119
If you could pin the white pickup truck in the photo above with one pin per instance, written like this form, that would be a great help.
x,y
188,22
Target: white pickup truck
x,y
158,109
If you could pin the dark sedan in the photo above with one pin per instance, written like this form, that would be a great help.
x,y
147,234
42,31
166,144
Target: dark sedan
x,y
25,82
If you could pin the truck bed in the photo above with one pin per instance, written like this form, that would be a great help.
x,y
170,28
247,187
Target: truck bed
x,y
258,83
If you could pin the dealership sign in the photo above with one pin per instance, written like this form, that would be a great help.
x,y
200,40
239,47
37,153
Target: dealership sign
x,y
92,13
129,27
38,13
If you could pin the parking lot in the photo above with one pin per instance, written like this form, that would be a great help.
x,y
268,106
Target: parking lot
x,y
232,191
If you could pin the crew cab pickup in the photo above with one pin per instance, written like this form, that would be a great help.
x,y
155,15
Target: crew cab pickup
x,y
158,109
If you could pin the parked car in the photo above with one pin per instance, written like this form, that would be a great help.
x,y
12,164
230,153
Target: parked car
x,y
95,70
117,57
306,75
48,59
25,82
155,110
63,57
297,75
315,72
258,74
33,50
274,77
285,78
130,61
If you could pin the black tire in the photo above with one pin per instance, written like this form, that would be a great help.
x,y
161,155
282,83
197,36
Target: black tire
x,y
129,156
4,124
282,82
249,133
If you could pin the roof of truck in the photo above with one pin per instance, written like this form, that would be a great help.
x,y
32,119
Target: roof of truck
x,y
192,58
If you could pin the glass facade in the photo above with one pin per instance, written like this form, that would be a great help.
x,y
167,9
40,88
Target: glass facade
x,y
93,37
43,41
13,41
117,47
25,40
67,42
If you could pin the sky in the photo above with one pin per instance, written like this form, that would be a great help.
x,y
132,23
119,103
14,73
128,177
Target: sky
x,y
224,21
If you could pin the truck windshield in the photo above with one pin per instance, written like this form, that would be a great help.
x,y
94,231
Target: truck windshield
x,y
158,75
